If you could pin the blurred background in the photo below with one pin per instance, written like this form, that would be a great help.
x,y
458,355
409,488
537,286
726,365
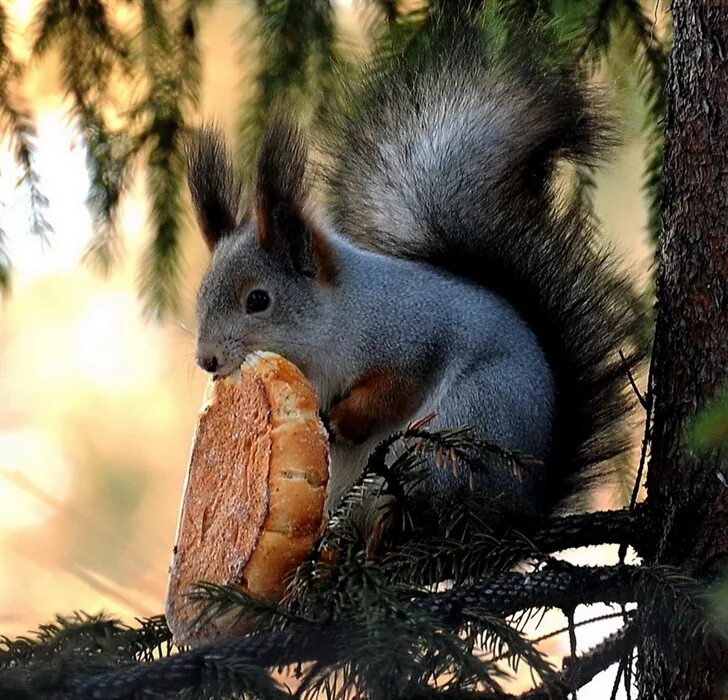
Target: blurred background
x,y
98,388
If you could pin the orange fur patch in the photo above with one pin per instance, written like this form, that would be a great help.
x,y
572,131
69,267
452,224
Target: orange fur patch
x,y
262,221
378,399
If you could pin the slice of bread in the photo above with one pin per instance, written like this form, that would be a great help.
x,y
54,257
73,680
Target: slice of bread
x,y
253,503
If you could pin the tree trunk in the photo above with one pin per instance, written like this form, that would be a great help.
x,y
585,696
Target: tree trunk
x,y
687,492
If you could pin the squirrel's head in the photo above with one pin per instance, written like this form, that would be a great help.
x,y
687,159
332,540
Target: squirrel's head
x,y
271,269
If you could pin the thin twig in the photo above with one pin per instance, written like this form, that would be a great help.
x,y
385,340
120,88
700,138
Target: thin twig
x,y
561,630
602,657
640,396
617,678
646,441
628,675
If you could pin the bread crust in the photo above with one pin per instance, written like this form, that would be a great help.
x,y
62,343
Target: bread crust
x,y
253,503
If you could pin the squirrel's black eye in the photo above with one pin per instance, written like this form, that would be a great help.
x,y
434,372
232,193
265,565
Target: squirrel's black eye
x,y
258,300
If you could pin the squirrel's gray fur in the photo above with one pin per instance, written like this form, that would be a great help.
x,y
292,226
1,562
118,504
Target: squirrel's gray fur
x,y
448,258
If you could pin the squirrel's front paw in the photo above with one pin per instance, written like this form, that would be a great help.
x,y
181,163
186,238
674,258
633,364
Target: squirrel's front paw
x,y
339,430
377,401
346,426
325,419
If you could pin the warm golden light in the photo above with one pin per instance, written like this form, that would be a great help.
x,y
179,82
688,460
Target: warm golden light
x,y
97,405
34,476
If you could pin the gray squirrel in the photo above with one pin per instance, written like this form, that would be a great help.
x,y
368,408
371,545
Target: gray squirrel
x,y
446,274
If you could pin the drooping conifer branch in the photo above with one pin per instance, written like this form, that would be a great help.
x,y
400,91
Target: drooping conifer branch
x,y
172,64
294,64
17,123
91,53
556,585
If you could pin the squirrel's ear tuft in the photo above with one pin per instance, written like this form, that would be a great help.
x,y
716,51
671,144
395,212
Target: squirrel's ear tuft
x,y
283,224
214,185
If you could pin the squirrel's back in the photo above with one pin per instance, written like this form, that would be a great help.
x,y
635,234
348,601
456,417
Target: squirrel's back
x,y
452,159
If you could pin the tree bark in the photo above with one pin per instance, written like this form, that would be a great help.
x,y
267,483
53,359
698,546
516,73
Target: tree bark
x,y
687,492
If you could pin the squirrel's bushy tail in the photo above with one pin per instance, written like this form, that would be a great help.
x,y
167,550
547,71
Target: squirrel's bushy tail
x,y
452,159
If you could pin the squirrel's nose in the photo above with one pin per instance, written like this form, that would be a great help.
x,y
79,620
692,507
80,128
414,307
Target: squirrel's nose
x,y
208,362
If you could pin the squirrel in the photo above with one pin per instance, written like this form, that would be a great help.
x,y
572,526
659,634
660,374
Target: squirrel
x,y
447,275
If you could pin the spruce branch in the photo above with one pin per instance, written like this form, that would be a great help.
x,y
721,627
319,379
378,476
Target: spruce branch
x,y
235,604
556,585
576,674
91,53
80,646
465,536
579,671
295,65
172,64
496,544
582,623
503,595
22,132
16,122
584,195
391,491
623,526
82,633
651,55
390,9
386,637
598,32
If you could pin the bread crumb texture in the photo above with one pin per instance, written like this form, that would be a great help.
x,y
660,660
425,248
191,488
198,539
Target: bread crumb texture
x,y
253,502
